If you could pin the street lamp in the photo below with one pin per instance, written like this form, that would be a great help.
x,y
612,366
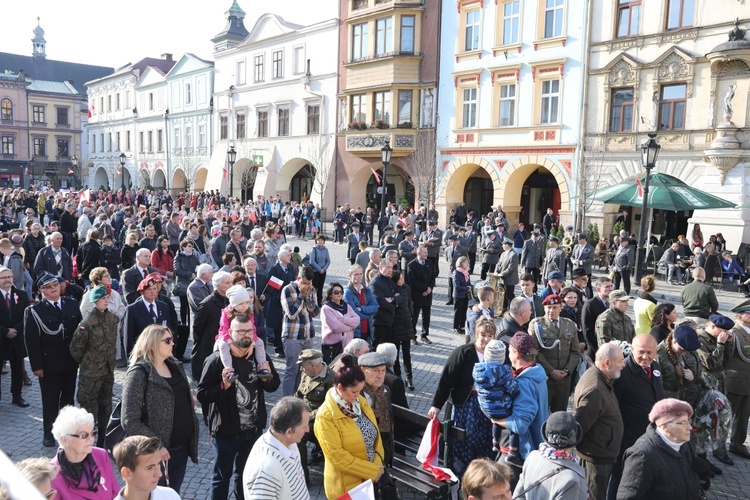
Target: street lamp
x,y
649,152
385,158
231,157
74,162
122,172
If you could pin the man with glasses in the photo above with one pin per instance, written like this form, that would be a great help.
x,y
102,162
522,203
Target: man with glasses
x,y
236,406
49,326
54,259
13,303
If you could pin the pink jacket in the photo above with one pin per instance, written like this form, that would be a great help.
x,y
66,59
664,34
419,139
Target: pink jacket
x,y
108,486
338,327
224,324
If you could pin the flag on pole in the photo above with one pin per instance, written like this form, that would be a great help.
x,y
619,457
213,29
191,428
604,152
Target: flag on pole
x,y
275,282
70,171
365,491
377,177
640,186
118,170
91,110
84,195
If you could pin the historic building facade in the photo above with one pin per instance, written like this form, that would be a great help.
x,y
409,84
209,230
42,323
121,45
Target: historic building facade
x,y
275,104
128,117
387,92
189,137
682,72
509,106
42,117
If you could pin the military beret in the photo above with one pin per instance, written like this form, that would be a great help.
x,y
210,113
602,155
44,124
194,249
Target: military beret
x,y
552,300
372,359
158,278
524,343
98,292
721,321
146,283
618,295
46,279
309,355
687,338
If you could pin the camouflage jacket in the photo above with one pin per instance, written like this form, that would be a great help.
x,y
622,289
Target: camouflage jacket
x,y
684,390
94,344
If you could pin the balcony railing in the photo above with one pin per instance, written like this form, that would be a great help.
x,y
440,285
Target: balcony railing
x,y
369,142
384,55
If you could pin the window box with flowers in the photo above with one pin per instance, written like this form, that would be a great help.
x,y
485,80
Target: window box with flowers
x,y
381,124
357,126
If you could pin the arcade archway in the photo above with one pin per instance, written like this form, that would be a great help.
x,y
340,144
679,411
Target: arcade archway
x,y
400,188
160,181
101,179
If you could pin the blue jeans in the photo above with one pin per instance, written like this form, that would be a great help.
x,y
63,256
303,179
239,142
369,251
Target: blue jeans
x,y
230,453
176,466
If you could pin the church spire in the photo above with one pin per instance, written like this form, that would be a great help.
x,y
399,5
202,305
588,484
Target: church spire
x,y
234,32
39,43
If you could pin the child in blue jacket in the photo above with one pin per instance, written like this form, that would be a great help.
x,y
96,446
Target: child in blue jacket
x,y
496,389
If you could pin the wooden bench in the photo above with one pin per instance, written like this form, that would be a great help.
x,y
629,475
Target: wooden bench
x,y
409,428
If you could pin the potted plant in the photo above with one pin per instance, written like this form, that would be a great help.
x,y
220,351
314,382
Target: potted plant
x,y
404,125
357,126
381,124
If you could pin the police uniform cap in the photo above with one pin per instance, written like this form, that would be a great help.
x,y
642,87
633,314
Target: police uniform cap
x,y
453,237
45,279
741,308
432,223
554,239
507,241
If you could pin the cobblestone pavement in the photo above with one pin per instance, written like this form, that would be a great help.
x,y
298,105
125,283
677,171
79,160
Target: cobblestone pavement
x,y
21,435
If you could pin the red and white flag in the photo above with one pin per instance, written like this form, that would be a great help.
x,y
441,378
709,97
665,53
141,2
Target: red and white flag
x,y
118,170
377,177
365,491
275,282
91,110
428,453
84,195
640,187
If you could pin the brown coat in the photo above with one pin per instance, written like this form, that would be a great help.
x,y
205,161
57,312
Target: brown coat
x,y
596,409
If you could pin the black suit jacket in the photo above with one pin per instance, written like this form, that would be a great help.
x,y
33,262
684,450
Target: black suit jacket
x,y
13,349
420,278
274,313
205,328
261,280
457,381
636,395
591,310
51,353
45,262
138,317
132,278
382,288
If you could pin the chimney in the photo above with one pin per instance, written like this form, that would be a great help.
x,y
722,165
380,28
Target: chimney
x,y
167,56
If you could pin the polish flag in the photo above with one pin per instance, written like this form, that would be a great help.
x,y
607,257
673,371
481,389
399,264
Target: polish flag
x,y
377,177
85,195
91,110
275,282
118,170
428,453
70,171
365,491
640,187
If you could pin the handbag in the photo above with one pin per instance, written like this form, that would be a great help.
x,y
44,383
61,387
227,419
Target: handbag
x,y
115,433
386,488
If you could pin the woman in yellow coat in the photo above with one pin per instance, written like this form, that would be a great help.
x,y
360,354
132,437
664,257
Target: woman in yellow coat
x,y
348,433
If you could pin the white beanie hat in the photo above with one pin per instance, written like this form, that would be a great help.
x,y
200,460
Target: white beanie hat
x,y
495,351
237,295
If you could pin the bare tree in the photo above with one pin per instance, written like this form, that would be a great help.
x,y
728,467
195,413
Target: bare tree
x,y
422,164
320,151
188,162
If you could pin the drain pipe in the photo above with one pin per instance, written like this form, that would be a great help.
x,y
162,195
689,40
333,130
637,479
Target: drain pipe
x,y
579,211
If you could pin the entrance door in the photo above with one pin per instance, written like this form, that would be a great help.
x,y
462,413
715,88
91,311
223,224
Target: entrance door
x,y
302,183
539,192
479,192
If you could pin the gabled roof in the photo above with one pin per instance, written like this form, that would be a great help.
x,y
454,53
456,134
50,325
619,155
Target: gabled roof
x,y
50,70
194,62
268,26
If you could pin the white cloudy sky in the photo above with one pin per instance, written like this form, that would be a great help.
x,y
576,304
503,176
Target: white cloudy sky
x,y
113,33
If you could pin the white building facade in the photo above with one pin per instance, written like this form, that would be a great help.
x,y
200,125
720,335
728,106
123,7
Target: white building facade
x,y
669,67
509,106
190,86
274,97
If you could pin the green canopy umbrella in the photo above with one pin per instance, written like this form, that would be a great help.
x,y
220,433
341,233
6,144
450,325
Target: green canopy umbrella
x,y
665,193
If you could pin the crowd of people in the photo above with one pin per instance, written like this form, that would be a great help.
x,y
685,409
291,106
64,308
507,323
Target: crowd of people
x,y
96,281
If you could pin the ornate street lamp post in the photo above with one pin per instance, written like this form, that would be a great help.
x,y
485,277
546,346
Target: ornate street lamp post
x,y
74,162
649,152
122,172
231,157
385,158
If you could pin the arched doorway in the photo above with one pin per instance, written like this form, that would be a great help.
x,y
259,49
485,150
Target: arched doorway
x,y
539,192
200,179
301,186
294,169
178,180
101,179
160,181
400,188
479,192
